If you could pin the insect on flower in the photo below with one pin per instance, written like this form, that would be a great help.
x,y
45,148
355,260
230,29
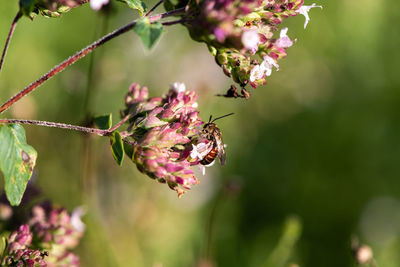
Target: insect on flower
x,y
213,134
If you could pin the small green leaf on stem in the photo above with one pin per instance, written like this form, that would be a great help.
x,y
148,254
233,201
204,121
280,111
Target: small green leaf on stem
x,y
104,122
148,32
27,7
138,5
17,160
168,5
128,150
117,147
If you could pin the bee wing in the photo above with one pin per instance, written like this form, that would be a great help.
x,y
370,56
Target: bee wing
x,y
221,151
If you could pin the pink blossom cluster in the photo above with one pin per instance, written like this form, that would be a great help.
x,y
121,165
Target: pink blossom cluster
x,y
18,252
46,239
165,130
58,232
244,35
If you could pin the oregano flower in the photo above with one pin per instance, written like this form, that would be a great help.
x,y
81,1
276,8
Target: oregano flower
x,y
241,34
167,135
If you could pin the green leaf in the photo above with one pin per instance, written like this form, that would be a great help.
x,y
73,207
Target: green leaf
x,y
4,242
117,147
148,32
27,7
17,160
128,150
137,5
168,5
104,122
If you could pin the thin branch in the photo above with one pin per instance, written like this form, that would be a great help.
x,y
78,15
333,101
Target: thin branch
x,y
58,125
173,22
127,117
90,86
129,142
154,7
57,69
9,36
70,126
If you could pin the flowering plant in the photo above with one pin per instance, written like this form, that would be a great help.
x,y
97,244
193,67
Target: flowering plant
x,y
46,239
165,136
165,133
242,35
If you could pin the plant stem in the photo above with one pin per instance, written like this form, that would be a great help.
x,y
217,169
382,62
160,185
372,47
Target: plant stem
x,y
9,36
69,61
58,125
91,83
127,117
69,126
154,7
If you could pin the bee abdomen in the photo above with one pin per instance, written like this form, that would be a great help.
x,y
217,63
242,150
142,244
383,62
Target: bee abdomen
x,y
210,157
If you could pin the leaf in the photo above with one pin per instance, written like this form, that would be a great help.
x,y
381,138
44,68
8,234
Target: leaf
x,y
137,5
128,150
117,147
17,160
168,5
148,32
27,7
104,122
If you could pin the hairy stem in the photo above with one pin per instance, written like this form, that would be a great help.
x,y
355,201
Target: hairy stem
x,y
58,125
57,69
70,126
127,117
9,36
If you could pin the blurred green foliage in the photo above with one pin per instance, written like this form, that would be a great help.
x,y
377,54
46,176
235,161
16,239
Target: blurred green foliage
x,y
320,141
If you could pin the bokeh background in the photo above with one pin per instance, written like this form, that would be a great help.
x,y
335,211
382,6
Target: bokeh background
x,y
312,157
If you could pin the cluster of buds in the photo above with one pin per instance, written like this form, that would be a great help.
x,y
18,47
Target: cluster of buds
x,y
46,240
19,254
165,131
242,34
49,8
57,232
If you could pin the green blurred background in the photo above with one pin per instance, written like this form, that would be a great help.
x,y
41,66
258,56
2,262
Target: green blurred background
x,y
312,157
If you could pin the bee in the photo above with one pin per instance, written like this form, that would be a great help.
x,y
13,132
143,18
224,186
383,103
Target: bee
x,y
213,134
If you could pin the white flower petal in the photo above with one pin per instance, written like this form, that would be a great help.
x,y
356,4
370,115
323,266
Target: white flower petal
x,y
268,63
304,11
284,41
250,40
257,73
284,32
178,87
97,4
76,217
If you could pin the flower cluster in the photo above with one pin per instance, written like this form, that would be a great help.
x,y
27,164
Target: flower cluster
x,y
165,131
49,8
58,232
46,240
243,34
18,252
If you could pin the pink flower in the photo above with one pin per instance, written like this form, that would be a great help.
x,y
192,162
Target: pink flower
x,y
165,135
250,40
284,41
